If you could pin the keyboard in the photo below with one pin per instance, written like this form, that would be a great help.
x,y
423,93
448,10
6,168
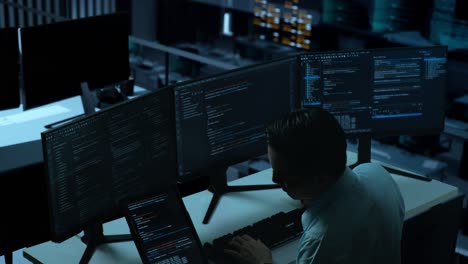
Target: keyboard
x,y
273,231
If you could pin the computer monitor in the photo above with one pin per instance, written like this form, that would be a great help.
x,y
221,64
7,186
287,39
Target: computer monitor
x,y
58,57
95,162
348,14
9,68
382,92
449,24
286,22
398,15
220,120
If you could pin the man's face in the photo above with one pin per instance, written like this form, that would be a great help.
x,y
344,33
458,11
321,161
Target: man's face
x,y
291,184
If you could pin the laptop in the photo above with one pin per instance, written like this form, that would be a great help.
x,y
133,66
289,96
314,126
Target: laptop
x,y
162,229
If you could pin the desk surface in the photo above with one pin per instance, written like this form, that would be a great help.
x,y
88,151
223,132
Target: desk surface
x,y
18,132
235,210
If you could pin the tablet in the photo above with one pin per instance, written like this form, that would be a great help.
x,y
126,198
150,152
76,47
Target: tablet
x,y
162,229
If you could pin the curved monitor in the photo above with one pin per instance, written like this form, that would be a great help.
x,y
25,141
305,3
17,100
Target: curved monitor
x,y
383,92
220,120
95,162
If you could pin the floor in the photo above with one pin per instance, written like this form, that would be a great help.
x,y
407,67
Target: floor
x,y
442,167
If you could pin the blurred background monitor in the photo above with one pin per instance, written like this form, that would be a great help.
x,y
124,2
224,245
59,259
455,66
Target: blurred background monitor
x,y
449,24
351,14
58,57
401,15
9,69
286,22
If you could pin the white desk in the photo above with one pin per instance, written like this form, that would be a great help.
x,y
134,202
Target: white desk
x,y
20,132
20,142
234,211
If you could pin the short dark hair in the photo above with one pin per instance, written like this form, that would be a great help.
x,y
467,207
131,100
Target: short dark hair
x,y
310,140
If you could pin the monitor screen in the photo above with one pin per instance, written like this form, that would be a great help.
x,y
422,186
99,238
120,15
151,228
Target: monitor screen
x,y
220,120
286,22
383,91
95,162
58,57
449,24
347,14
399,15
9,68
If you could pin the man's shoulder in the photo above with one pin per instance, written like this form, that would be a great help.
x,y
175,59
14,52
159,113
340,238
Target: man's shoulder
x,y
370,168
343,217
373,175
382,190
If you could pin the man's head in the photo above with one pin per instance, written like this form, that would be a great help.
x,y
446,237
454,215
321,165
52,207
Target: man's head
x,y
307,151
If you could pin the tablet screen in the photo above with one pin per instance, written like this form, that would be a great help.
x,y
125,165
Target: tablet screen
x,y
163,231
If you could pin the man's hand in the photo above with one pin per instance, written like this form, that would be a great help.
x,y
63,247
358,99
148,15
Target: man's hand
x,y
249,250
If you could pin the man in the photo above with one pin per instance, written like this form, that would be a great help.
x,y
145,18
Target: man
x,y
351,216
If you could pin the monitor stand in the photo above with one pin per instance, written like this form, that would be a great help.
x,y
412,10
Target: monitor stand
x,y
94,237
364,155
218,186
86,100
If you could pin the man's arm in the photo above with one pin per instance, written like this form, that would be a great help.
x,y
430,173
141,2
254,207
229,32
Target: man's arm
x,y
308,249
317,249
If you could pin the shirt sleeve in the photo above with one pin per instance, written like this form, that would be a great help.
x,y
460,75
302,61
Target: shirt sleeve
x,y
308,249
316,249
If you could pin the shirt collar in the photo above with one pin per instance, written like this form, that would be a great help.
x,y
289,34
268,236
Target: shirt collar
x,y
337,189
